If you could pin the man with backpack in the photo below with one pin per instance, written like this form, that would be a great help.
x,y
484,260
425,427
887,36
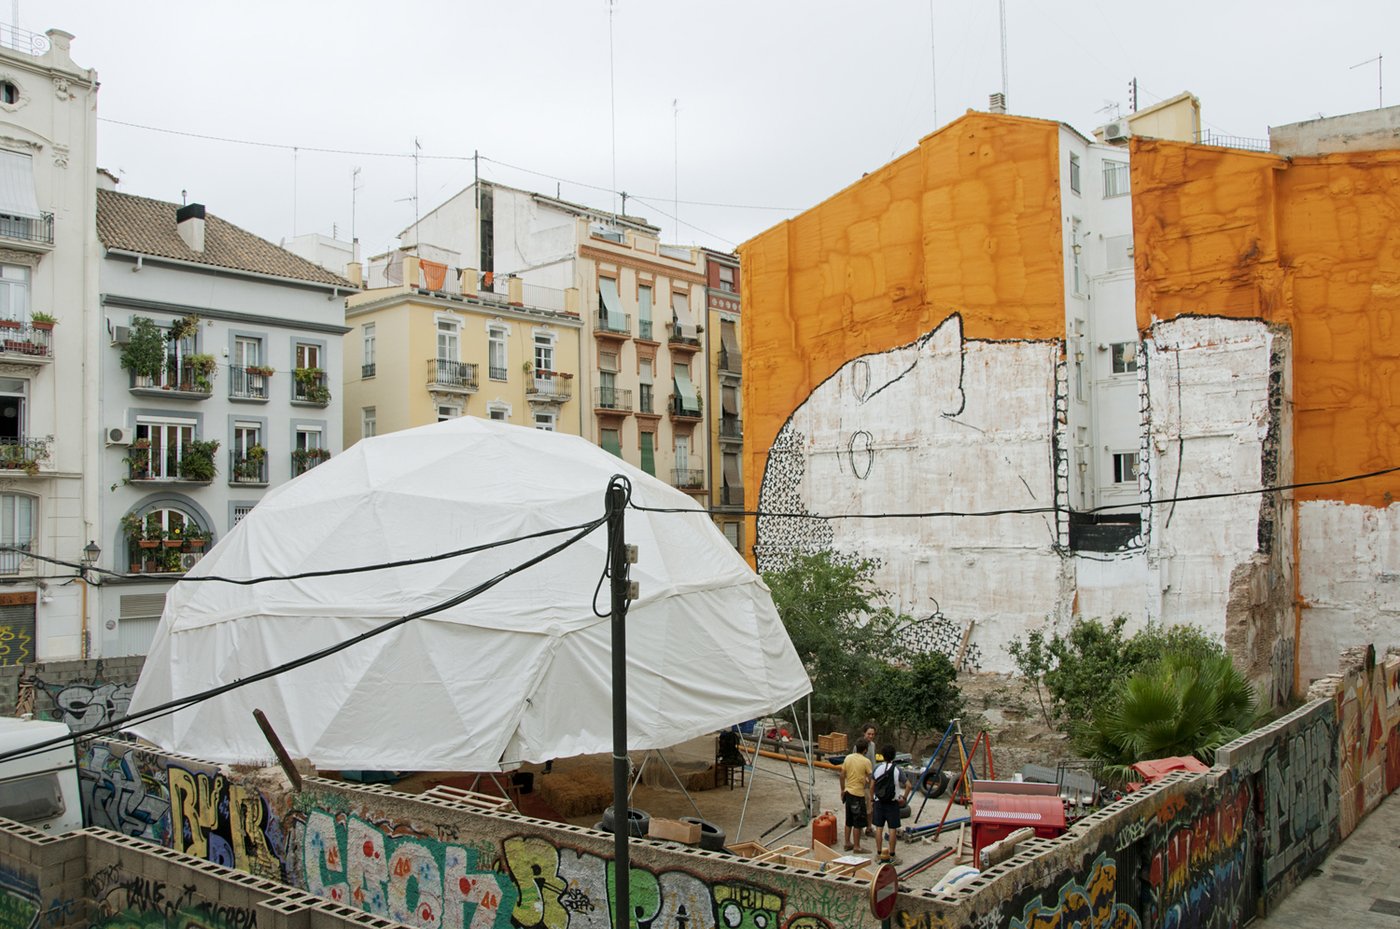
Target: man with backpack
x,y
891,789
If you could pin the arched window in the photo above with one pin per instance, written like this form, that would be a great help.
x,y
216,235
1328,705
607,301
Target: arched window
x,y
18,514
164,539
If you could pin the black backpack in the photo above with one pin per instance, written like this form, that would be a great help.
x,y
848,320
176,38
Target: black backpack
x,y
884,784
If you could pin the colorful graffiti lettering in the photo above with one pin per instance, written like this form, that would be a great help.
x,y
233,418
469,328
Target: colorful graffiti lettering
x,y
19,901
85,705
120,795
1093,903
1300,806
408,878
1199,877
228,824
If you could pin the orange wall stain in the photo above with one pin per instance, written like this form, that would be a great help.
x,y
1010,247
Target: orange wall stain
x,y
969,222
1310,242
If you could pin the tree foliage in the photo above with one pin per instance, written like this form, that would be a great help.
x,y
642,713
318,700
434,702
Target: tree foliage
x,y
918,697
1182,704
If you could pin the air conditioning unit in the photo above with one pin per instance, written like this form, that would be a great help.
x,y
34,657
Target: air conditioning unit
x,y
189,559
117,435
121,335
1116,131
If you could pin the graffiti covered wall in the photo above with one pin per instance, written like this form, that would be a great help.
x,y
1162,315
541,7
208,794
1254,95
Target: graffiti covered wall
x,y
82,694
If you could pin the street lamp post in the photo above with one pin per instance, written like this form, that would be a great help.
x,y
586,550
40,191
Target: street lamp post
x,y
91,552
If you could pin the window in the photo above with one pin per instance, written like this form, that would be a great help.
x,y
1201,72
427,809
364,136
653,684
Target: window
x,y
498,411
496,352
247,352
245,437
682,452
448,340
178,374
612,441
607,380
731,534
449,411
168,524
644,398
1115,178
644,311
244,384
239,512
9,93
166,442
16,529
309,450
308,355
544,422
308,438
14,292
367,365
610,315
1118,252
13,392
1124,357
544,351
648,440
1074,172
1125,467
369,425
726,279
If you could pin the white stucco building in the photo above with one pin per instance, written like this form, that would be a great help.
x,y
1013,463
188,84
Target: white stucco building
x,y
247,354
47,270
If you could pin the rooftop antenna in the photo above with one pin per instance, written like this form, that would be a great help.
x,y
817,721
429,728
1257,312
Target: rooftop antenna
x,y
933,64
354,190
184,197
1380,83
1005,88
612,101
676,165
416,149
295,153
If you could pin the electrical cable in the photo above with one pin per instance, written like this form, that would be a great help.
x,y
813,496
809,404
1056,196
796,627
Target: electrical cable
x,y
326,572
181,703
1024,511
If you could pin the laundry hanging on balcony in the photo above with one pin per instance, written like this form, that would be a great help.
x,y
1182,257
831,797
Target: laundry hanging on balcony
x,y
434,274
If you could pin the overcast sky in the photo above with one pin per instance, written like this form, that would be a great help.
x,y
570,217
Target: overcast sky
x,y
779,104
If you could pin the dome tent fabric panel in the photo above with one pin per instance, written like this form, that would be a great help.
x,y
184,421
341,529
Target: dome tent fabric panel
x,y
520,673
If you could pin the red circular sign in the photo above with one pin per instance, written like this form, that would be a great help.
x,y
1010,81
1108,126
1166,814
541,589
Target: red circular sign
x,y
883,891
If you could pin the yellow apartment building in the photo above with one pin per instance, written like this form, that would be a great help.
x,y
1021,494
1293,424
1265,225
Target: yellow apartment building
x,y
726,381
432,349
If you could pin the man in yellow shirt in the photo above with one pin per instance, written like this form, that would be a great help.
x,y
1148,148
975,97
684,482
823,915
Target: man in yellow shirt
x,y
855,793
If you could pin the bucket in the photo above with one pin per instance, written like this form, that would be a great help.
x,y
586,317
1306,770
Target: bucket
x,y
824,829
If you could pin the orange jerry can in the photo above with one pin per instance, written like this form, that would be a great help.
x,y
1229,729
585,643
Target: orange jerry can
x,y
824,829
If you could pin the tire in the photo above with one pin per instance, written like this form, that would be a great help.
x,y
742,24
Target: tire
x,y
603,827
935,782
711,836
640,821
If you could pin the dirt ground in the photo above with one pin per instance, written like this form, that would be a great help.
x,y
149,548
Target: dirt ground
x,y
768,807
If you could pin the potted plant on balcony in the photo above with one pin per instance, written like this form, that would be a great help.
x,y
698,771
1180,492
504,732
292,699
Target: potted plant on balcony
x,y
201,368
168,559
250,466
184,327
41,320
174,538
261,370
311,385
144,353
195,539
528,367
197,460
6,323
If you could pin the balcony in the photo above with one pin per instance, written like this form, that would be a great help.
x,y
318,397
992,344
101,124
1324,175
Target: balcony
x,y
644,330
683,338
497,374
549,387
731,429
680,412
189,463
366,371
689,479
248,383
613,401
163,555
188,377
22,40
11,563
27,233
451,377
730,362
23,455
304,459
732,496
26,345
248,469
619,327
310,387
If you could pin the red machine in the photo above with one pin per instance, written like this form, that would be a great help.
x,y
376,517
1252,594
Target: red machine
x,y
995,815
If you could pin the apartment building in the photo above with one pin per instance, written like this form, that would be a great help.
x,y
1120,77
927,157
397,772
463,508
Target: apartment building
x,y
642,379
220,378
726,381
48,279
436,347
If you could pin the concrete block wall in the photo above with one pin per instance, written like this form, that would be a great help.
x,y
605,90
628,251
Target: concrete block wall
x,y
81,693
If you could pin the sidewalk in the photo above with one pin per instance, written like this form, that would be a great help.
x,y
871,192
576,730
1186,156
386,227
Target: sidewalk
x,y
1357,887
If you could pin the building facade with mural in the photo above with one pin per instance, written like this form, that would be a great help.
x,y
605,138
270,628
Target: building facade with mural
x,y
221,376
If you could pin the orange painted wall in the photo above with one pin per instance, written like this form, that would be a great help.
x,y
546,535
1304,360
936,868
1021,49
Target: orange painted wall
x,y
1313,243
967,222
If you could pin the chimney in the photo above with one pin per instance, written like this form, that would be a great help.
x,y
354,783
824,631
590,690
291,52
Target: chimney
x,y
189,220
997,103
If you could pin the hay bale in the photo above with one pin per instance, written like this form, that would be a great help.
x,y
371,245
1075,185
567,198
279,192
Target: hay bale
x,y
578,794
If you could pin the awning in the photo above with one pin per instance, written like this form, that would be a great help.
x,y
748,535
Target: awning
x,y
612,303
729,398
680,306
686,390
17,196
733,475
727,337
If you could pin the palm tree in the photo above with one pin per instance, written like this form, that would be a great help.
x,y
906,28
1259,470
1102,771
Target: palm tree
x,y
1180,705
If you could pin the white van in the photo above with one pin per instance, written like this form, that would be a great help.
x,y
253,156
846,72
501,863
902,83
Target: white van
x,y
39,790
